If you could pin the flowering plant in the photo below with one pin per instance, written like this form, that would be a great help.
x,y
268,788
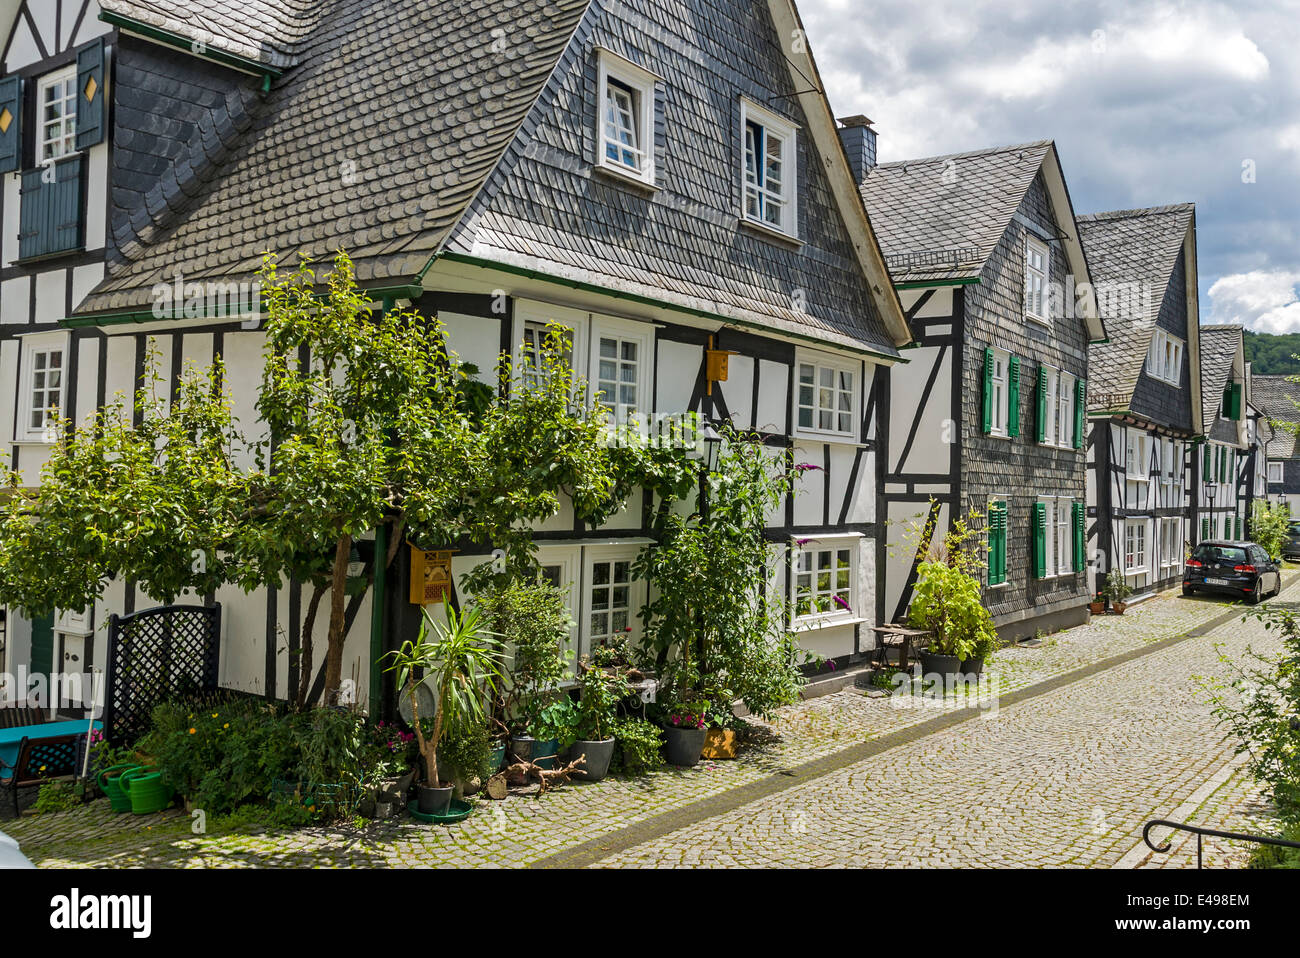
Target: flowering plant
x,y
688,715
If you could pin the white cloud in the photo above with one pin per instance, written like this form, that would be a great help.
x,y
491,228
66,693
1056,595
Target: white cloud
x,y
1264,300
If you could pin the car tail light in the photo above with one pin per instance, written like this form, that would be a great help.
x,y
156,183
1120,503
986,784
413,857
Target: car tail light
x,y
1194,563
1243,568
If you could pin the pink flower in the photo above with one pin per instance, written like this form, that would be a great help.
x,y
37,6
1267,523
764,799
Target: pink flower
x,y
677,720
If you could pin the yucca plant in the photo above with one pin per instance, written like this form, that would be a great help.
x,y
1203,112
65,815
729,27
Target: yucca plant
x,y
464,661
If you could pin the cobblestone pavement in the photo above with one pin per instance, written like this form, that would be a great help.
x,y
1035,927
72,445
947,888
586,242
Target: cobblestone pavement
x,y
1057,778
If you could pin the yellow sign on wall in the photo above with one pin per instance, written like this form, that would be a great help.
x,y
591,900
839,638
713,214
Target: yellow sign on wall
x,y
430,576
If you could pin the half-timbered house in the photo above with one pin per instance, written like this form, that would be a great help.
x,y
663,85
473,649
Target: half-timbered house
x,y
503,164
988,417
1144,393
1278,401
1223,463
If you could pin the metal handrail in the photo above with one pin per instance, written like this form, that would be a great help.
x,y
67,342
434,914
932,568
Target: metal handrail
x,y
1199,832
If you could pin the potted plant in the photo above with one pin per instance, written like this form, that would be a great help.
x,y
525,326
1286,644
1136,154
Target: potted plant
x,y
720,736
462,661
1117,590
600,691
1098,604
533,621
685,728
946,603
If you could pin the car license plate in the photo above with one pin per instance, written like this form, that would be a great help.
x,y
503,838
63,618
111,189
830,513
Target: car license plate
x,y
1216,581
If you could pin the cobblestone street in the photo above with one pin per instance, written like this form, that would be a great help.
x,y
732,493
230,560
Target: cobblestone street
x,y
1089,735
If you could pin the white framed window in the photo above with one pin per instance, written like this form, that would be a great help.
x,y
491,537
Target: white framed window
x,y
1165,357
532,354
1135,546
824,576
42,387
531,321
1037,275
1001,392
1170,543
621,366
1064,432
768,169
611,608
826,395
1063,538
1137,459
56,101
625,118
1275,472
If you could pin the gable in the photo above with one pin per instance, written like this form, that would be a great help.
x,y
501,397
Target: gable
x,y
39,30
547,208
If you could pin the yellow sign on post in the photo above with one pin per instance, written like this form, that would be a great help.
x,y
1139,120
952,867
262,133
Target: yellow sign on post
x,y
430,576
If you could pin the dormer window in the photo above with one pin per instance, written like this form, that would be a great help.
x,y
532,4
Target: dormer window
x,y
56,98
625,119
768,167
1165,357
1036,277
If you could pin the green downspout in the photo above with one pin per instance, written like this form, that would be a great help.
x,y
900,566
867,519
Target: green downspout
x,y
377,602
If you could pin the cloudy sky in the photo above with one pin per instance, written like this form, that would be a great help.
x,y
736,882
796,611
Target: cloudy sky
x,y
1149,103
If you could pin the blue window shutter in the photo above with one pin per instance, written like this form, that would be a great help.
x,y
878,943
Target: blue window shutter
x,y
1042,404
11,136
91,116
1080,395
1013,396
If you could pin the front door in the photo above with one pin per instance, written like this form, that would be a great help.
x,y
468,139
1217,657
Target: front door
x,y
42,657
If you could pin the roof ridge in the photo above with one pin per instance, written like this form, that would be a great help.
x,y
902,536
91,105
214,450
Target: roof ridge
x,y
988,151
1135,213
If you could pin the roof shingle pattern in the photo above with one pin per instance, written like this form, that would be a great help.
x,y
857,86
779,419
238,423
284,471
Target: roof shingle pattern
x,y
264,31
941,217
1277,397
1219,345
375,143
1138,247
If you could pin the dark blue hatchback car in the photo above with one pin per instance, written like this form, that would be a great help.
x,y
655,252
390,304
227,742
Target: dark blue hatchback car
x,y
1240,569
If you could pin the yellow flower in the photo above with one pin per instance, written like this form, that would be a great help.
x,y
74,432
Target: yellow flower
x,y
227,725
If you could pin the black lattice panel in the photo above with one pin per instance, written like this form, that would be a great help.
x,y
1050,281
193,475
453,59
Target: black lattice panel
x,y
156,655
54,759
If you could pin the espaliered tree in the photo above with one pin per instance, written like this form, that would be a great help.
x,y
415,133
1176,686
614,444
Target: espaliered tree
x,y
368,418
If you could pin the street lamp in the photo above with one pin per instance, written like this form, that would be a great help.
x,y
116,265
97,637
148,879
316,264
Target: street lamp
x,y
1211,489
712,448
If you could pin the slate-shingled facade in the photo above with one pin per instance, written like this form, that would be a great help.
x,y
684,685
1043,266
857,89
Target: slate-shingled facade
x,y
1144,394
478,186
986,417
1277,399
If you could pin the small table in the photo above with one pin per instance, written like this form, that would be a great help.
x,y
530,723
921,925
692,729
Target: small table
x,y
900,637
11,738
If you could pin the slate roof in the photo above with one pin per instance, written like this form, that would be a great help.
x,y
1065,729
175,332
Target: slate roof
x,y
1219,345
1276,398
1129,247
321,167
941,217
265,31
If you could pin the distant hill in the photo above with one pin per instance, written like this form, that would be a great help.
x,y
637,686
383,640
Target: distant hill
x,y
1273,355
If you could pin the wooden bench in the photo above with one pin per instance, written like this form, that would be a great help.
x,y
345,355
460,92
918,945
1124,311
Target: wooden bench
x,y
40,760
18,716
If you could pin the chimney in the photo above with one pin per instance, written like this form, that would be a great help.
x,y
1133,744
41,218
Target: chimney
x,y
859,141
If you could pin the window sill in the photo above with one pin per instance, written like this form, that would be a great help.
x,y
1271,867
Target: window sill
x,y
34,442
826,622
841,438
618,176
1039,321
770,233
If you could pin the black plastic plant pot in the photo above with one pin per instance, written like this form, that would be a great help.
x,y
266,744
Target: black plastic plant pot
x,y
433,801
598,756
684,746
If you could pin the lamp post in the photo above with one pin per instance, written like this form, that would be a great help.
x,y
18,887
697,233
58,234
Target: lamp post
x,y
712,448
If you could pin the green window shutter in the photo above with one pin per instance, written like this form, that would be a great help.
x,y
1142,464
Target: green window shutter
x,y
49,208
1042,403
1080,395
1205,528
1080,532
997,543
1205,466
1013,397
11,125
1236,400
986,420
90,94
1040,540
1227,401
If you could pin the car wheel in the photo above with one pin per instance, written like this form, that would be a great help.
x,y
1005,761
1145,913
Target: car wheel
x,y
1188,590
1256,594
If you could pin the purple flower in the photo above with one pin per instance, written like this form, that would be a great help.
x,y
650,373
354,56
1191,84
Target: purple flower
x,y
841,603
806,465
677,720
831,663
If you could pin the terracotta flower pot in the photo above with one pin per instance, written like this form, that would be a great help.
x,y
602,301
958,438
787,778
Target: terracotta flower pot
x,y
720,743
1096,608
1119,607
